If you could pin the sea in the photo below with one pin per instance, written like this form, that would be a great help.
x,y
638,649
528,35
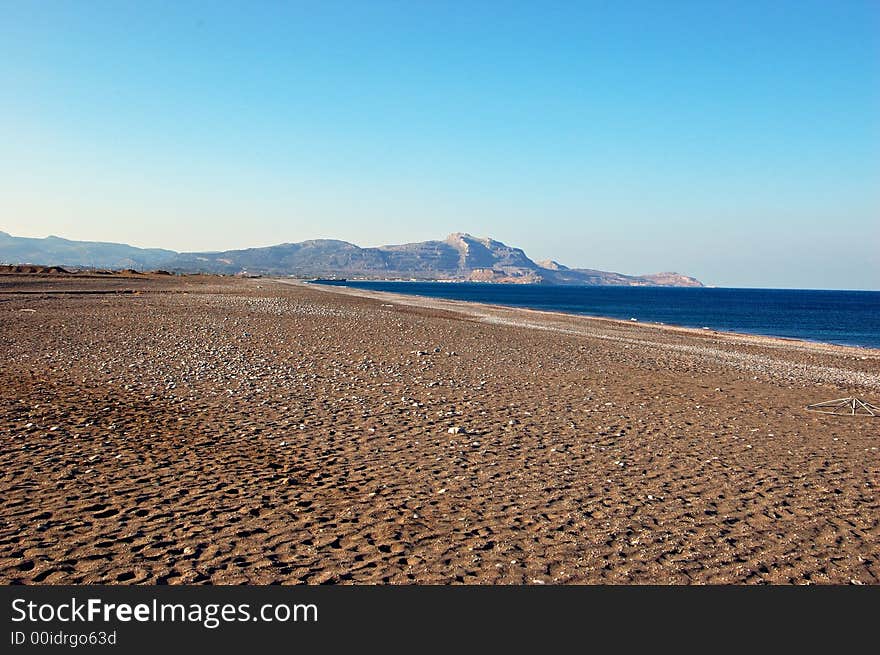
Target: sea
x,y
849,318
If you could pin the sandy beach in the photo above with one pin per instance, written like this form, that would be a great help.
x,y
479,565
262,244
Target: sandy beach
x,y
196,429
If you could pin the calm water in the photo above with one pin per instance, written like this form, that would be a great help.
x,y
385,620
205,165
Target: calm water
x,y
842,317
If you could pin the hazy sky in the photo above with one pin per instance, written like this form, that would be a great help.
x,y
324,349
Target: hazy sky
x,y
736,141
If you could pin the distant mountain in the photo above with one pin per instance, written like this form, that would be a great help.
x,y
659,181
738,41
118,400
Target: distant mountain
x,y
55,251
459,257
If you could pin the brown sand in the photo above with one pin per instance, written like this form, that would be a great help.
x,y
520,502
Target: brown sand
x,y
211,430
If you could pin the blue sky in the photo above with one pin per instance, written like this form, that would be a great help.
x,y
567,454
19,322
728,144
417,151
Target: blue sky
x,y
735,141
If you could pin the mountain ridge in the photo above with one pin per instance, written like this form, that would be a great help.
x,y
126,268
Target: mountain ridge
x,y
459,257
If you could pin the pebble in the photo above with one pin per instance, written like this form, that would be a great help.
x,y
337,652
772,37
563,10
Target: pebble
x,y
200,358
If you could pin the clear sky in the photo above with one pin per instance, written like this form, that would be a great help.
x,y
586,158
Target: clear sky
x,y
736,141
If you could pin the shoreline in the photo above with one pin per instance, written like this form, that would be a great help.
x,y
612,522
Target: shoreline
x,y
446,303
791,362
229,431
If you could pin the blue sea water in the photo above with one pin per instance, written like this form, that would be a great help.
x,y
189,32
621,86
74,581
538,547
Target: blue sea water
x,y
840,317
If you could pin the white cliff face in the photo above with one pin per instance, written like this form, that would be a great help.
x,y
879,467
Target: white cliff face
x,y
458,240
486,253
